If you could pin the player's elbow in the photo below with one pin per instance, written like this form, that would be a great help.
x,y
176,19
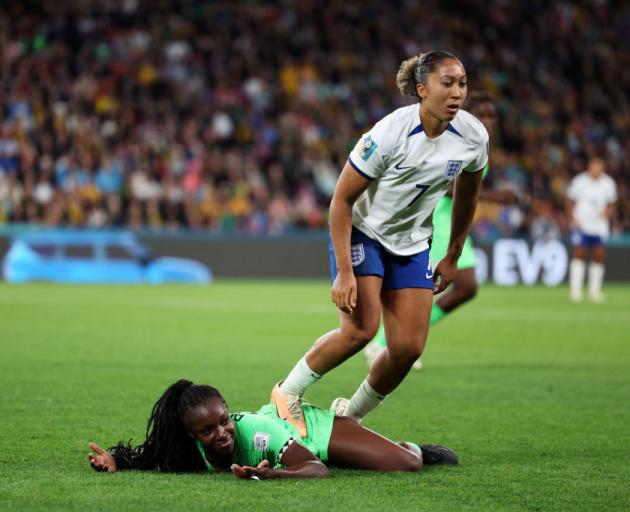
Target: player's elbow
x,y
341,204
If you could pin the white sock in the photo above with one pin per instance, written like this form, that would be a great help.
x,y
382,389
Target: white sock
x,y
415,448
363,401
577,270
300,378
595,278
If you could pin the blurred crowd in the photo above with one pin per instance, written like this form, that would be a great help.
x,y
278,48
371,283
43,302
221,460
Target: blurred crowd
x,y
238,116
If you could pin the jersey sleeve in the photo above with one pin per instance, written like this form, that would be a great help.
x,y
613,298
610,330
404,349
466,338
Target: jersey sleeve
x,y
572,189
266,437
371,154
481,142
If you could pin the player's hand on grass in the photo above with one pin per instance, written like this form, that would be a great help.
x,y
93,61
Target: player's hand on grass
x,y
101,460
344,292
248,472
444,274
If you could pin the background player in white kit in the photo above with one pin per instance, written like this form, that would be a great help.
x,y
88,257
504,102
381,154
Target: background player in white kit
x,y
591,197
380,230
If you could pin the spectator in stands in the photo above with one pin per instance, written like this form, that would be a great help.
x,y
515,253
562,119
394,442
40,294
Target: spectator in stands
x,y
236,117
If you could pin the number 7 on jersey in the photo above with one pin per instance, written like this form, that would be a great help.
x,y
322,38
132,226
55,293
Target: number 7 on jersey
x,y
423,189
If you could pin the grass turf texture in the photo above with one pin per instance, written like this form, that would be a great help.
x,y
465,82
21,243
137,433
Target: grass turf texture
x,y
530,390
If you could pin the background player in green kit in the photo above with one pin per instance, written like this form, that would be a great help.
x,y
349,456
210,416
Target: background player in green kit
x,y
190,429
464,287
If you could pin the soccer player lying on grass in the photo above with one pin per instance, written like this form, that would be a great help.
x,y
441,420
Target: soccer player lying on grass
x,y
190,429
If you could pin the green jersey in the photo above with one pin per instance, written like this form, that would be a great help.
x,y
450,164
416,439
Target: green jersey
x,y
442,212
442,234
264,436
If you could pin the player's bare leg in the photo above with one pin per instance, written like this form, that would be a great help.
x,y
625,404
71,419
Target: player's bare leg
x,y
406,318
599,252
354,331
329,351
463,289
352,445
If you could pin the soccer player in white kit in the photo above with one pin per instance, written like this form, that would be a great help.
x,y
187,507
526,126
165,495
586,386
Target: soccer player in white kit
x,y
591,197
380,232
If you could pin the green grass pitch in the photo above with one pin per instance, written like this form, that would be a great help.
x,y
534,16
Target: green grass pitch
x,y
531,391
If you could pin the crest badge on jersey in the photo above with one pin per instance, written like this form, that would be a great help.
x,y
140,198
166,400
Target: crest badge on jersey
x,y
367,146
453,168
261,441
357,254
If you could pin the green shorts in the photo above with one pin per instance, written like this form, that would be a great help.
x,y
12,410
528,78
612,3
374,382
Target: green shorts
x,y
319,425
442,234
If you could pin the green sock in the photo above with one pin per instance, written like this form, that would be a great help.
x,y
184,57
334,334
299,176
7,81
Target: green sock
x,y
437,313
379,339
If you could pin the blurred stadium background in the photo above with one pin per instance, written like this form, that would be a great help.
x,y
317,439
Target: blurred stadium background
x,y
234,118
216,131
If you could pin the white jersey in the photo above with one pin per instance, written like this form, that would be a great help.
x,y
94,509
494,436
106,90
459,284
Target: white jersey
x,y
410,173
591,197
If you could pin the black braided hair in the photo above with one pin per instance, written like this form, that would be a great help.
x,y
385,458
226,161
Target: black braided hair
x,y
167,446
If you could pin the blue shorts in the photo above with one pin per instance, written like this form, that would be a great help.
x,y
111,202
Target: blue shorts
x,y
581,239
369,258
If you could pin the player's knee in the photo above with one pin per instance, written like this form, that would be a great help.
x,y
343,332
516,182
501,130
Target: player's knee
x,y
469,291
598,255
412,457
405,354
579,253
412,462
358,337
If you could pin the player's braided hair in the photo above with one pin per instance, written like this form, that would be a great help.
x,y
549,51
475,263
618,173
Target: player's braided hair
x,y
415,70
167,446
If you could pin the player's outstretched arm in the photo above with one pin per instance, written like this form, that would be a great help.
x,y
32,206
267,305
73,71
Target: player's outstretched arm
x,y
299,462
101,460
